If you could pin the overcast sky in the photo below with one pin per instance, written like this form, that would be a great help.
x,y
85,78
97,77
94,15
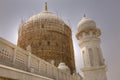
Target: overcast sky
x,y
106,14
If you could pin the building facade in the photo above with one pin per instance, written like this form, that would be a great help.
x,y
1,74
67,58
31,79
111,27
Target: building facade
x,y
45,51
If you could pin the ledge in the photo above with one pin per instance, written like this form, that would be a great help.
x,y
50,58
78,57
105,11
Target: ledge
x,y
94,68
6,68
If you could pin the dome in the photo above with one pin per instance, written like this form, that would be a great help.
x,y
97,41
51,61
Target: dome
x,y
44,17
86,24
48,37
62,66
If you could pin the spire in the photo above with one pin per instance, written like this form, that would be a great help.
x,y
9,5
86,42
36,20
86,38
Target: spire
x,y
46,8
84,15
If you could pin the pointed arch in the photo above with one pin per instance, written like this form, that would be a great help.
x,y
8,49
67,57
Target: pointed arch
x,y
83,53
99,56
90,51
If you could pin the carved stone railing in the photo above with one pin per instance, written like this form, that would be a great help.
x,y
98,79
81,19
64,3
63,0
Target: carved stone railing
x,y
13,56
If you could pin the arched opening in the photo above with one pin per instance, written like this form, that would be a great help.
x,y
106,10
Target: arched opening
x,y
83,53
99,57
48,43
42,25
90,51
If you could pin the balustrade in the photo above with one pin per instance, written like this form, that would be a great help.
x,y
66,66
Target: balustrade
x,y
13,56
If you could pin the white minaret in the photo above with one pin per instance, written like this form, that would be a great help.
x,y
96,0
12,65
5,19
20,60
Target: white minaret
x,y
88,34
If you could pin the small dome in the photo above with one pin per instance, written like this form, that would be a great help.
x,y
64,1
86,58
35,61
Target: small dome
x,y
86,24
62,66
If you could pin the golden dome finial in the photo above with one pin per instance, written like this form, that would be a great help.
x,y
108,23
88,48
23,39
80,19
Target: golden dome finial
x,y
46,8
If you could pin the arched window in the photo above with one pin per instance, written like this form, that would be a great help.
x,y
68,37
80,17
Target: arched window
x,y
39,43
56,44
83,53
90,51
99,56
48,43
42,25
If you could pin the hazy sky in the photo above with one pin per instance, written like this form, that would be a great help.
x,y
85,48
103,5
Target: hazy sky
x,y
106,14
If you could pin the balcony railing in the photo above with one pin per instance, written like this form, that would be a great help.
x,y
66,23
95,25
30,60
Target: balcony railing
x,y
13,56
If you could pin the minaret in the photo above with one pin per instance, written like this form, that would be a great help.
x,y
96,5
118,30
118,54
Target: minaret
x,y
88,34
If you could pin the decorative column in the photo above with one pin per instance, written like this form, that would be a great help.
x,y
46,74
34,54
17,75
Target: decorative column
x,y
28,48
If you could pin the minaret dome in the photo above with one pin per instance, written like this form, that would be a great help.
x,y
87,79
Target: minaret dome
x,y
87,25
